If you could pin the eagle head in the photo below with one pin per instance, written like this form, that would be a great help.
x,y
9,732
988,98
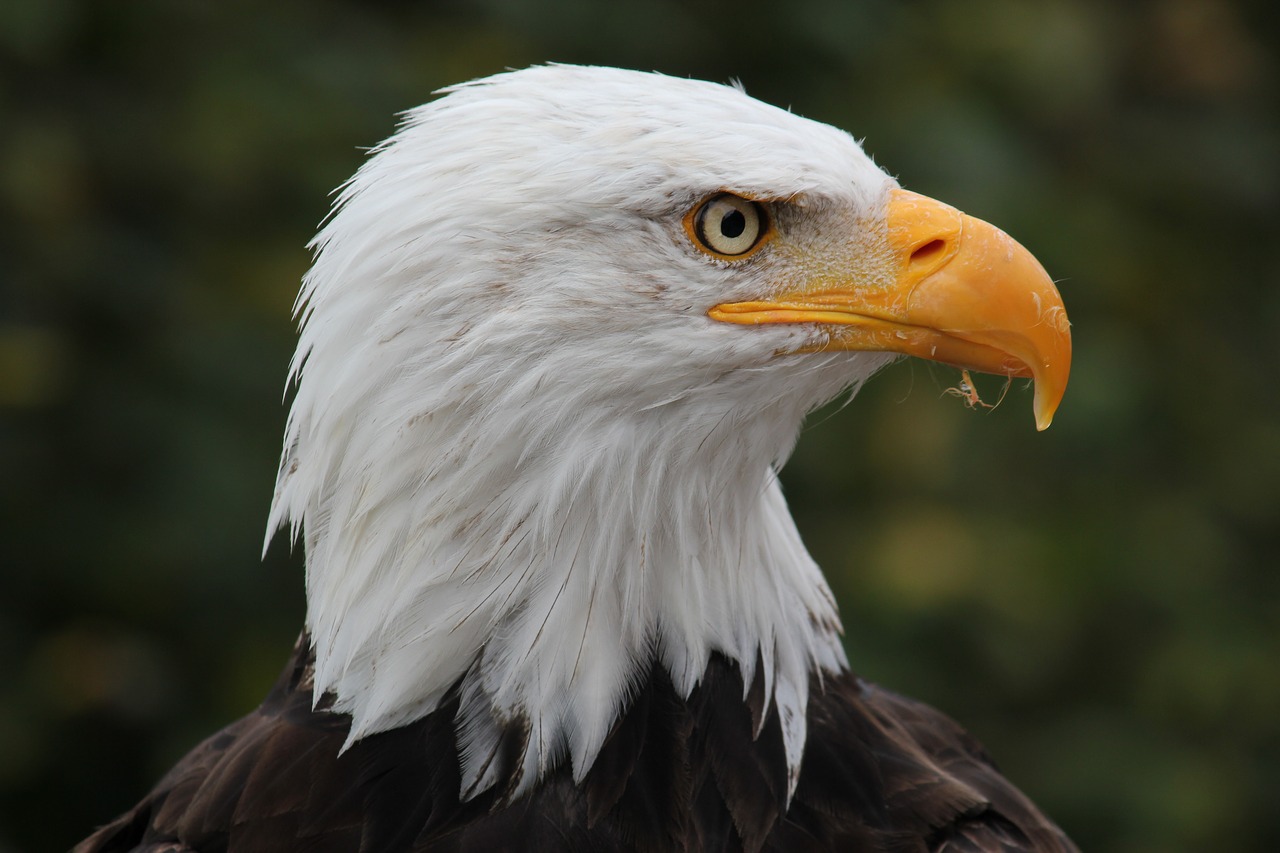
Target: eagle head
x,y
560,332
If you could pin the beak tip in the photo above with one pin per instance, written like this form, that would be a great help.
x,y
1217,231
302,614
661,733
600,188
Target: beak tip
x,y
1045,405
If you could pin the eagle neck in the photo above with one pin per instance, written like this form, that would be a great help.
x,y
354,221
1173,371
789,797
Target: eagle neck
x,y
541,568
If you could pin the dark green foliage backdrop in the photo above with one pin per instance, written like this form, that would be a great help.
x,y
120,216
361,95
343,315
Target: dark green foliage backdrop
x,y
1099,602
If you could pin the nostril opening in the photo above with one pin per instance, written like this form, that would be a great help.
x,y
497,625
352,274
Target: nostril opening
x,y
928,251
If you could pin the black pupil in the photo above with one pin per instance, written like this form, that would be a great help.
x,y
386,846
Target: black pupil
x,y
733,224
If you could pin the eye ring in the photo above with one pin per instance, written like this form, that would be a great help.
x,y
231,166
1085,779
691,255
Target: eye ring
x,y
728,226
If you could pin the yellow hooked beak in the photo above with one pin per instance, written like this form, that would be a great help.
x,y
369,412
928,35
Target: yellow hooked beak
x,y
957,290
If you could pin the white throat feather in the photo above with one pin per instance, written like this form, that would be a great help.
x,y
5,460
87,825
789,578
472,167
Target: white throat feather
x,y
521,457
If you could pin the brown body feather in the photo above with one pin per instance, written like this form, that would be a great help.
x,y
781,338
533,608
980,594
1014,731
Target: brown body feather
x,y
880,773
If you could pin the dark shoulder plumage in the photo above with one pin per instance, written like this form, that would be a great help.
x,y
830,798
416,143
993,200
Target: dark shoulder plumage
x,y
884,772
880,772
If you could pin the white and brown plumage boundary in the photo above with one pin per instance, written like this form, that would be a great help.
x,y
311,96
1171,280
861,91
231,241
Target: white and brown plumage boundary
x,y
560,333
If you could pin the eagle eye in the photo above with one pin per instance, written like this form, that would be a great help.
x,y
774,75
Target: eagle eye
x,y
728,226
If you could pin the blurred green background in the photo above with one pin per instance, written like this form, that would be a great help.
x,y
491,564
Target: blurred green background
x,y
1099,603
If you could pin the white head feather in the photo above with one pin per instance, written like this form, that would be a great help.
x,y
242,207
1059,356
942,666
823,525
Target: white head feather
x,y
521,454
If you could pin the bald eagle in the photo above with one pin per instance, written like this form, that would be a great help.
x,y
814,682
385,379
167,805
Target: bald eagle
x,y
559,336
